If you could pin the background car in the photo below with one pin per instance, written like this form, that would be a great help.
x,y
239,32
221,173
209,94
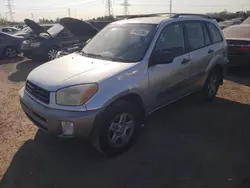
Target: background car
x,y
9,45
27,31
46,44
238,39
9,30
228,23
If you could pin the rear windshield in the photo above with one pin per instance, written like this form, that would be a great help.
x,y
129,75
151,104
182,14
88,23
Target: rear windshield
x,y
237,32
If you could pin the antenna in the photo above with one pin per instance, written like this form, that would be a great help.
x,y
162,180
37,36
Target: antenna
x,y
108,8
9,6
125,5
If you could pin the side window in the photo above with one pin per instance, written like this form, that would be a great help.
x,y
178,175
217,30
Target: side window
x,y
5,30
171,39
194,35
206,36
66,33
214,32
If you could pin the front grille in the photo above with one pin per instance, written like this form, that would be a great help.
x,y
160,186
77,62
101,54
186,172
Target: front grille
x,y
37,92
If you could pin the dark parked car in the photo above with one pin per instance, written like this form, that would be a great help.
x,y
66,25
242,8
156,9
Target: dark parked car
x,y
46,43
9,45
238,39
9,30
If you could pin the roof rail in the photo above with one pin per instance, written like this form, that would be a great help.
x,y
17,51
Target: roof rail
x,y
188,14
148,15
172,15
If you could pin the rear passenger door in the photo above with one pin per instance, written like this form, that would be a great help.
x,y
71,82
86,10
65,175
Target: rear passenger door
x,y
199,45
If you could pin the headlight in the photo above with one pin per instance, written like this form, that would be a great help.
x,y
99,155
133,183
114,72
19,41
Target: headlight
x,y
76,95
35,44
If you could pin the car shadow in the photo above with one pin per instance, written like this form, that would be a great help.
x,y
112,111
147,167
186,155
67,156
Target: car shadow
x,y
181,145
22,70
10,61
239,75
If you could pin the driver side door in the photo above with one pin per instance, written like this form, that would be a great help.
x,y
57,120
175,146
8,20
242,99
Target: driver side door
x,y
167,79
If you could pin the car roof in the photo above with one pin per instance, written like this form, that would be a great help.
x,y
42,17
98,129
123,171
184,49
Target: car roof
x,y
159,19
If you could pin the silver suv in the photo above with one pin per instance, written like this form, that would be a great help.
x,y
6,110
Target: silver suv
x,y
128,70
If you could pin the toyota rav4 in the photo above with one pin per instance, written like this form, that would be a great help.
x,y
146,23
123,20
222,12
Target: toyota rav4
x,y
128,70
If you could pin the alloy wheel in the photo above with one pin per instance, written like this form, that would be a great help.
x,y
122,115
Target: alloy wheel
x,y
10,53
212,85
121,130
52,54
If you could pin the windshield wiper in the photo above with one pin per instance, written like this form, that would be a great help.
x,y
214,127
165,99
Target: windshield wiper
x,y
96,56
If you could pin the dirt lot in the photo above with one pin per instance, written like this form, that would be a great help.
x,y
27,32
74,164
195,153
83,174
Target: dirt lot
x,y
185,145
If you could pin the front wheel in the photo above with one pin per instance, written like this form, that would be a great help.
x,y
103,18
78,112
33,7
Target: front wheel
x,y
52,53
10,52
118,127
211,86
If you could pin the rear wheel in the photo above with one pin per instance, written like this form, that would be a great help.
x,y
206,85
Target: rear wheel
x,y
10,52
211,86
118,127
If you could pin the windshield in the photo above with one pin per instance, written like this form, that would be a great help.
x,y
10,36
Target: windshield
x,y
53,31
126,42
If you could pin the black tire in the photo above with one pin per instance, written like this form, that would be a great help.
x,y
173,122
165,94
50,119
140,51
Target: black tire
x,y
10,52
104,127
211,85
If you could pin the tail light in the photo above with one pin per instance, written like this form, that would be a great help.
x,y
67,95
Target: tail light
x,y
245,48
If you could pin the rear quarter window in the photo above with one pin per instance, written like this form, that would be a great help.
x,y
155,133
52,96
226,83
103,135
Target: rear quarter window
x,y
214,33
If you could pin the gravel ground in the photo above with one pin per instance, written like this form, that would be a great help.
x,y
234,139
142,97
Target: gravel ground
x,y
185,145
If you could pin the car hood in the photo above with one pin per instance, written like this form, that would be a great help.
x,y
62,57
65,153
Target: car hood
x,y
35,27
74,69
79,28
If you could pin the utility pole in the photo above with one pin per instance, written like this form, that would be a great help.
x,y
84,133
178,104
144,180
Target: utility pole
x,y
69,12
10,6
108,8
125,5
32,16
170,7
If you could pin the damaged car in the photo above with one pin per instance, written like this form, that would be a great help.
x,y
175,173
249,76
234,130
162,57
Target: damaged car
x,y
46,44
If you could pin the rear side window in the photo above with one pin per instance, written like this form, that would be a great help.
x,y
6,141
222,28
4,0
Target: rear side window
x,y
171,39
214,33
206,36
194,35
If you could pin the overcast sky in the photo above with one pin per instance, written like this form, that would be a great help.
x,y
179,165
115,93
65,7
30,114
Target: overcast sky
x,y
92,8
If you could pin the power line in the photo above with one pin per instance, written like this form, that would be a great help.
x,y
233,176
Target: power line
x,y
108,8
9,6
125,5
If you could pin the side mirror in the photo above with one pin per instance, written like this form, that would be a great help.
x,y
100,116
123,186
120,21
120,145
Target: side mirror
x,y
161,57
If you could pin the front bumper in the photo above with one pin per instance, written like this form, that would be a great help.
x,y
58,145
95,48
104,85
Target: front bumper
x,y
49,120
32,53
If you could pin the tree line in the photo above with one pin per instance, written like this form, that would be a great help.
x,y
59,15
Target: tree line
x,y
224,15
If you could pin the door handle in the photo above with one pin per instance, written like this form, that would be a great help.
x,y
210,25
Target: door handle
x,y
210,51
184,61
